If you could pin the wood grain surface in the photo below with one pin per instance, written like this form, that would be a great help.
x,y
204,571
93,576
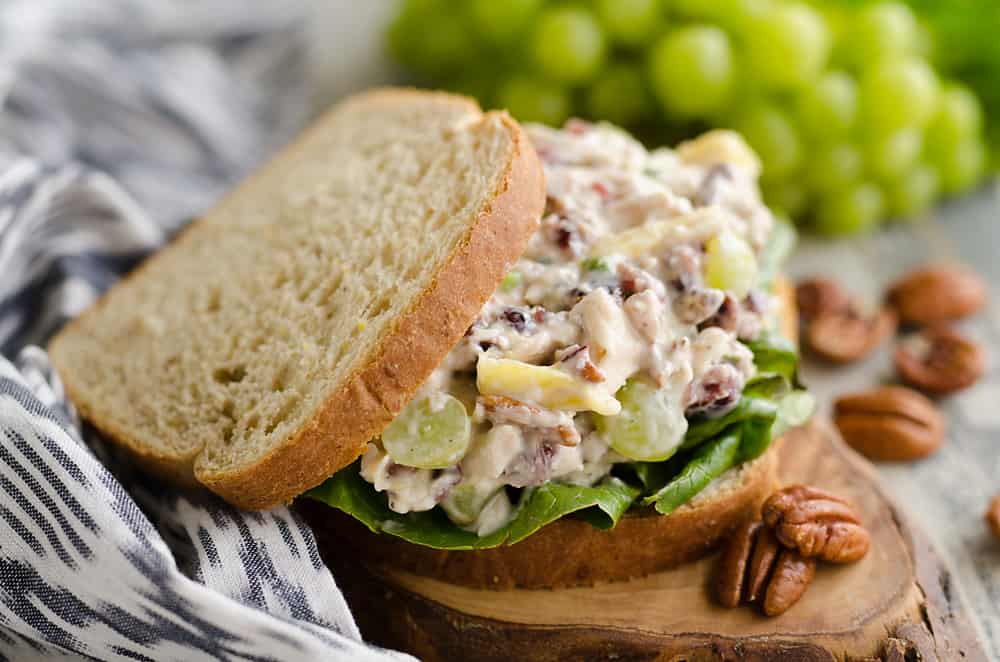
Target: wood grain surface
x,y
899,594
946,494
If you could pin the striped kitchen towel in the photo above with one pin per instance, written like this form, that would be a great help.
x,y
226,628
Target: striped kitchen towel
x,y
121,119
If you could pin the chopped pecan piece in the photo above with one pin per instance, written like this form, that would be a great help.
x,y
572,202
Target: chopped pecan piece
x,y
889,423
817,524
937,293
577,359
939,360
848,335
500,409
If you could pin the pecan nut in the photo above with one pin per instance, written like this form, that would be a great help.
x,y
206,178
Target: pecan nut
x,y
939,360
937,293
993,516
847,335
817,524
730,571
889,424
817,296
753,567
791,577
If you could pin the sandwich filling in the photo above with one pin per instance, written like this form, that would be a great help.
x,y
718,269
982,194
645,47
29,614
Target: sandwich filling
x,y
630,356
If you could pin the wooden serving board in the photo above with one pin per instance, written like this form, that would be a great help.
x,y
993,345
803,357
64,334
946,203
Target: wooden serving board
x,y
895,604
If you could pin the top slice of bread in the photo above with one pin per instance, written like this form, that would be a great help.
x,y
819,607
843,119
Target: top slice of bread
x,y
261,350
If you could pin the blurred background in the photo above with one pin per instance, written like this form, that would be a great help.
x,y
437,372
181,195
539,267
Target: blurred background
x,y
863,113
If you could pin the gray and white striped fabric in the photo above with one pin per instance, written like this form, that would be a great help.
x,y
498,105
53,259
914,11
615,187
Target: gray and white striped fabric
x,y
119,121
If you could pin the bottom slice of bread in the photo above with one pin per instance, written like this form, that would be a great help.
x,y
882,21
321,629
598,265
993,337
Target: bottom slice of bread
x,y
569,552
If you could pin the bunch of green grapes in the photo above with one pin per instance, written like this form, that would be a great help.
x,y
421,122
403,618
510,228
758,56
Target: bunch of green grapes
x,y
852,122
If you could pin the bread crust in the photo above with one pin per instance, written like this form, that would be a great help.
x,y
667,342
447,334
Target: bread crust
x,y
382,383
567,552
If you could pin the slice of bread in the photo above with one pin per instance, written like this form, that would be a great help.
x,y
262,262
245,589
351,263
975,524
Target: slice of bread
x,y
261,350
569,551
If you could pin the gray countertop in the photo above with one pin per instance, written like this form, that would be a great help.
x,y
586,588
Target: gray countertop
x,y
946,494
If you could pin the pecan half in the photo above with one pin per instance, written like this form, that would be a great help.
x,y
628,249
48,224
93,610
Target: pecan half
x,y
817,296
731,568
993,516
889,423
937,293
817,524
939,360
753,567
789,581
843,336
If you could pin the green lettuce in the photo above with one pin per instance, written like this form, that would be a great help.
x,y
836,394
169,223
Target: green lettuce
x,y
601,505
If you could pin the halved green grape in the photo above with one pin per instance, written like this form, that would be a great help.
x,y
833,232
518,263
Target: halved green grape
x,y
961,167
827,108
430,433
834,168
511,281
465,501
773,137
785,197
568,44
857,209
534,101
889,155
912,193
691,70
618,95
730,264
650,426
958,117
899,93
881,31
501,23
788,45
629,22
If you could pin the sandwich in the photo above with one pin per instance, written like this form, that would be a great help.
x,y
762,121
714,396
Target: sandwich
x,y
502,356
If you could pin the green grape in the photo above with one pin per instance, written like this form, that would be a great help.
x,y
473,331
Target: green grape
x,y
773,137
787,46
426,437
691,70
730,264
568,44
465,502
960,167
958,117
857,209
618,96
534,101
889,155
827,108
501,23
881,31
650,426
433,53
629,22
899,93
785,198
734,15
912,193
834,168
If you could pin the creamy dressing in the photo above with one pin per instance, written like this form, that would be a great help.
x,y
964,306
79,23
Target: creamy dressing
x,y
611,288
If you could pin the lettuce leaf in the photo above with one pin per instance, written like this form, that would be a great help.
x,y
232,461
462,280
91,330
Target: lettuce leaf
x,y
602,505
711,460
780,245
